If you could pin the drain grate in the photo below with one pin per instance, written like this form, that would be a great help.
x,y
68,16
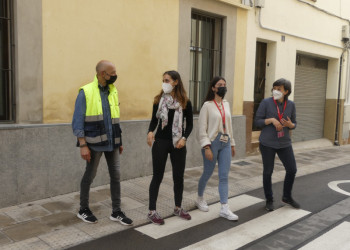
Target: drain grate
x,y
242,163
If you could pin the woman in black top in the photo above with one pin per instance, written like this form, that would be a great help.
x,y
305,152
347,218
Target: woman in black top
x,y
170,108
276,116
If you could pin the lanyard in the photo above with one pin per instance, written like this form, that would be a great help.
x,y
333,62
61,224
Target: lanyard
x,y
222,114
280,116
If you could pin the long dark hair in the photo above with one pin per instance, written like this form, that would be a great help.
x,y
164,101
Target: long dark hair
x,y
179,90
211,95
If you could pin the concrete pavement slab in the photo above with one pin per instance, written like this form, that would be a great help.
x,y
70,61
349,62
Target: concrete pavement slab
x,y
100,209
59,220
104,227
4,240
6,221
126,204
27,213
26,230
32,243
65,237
58,206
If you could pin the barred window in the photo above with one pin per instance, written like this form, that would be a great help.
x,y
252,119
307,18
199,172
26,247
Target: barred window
x,y
6,62
206,55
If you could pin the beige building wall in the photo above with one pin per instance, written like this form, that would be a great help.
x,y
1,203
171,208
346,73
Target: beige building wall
x,y
140,37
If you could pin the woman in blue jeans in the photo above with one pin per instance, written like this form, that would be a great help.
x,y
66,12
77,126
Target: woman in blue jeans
x,y
218,145
276,116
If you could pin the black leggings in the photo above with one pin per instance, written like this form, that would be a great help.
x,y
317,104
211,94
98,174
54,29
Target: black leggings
x,y
160,150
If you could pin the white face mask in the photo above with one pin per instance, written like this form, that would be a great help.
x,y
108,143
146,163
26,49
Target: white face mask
x,y
167,87
277,94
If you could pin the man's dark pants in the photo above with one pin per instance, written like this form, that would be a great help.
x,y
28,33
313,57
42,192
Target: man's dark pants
x,y
113,163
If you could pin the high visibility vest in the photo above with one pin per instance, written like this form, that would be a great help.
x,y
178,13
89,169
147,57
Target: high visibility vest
x,y
94,126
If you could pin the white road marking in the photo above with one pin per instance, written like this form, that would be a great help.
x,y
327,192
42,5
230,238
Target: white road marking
x,y
337,238
334,185
252,230
175,224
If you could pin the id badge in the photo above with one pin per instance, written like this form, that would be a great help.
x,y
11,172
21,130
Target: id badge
x,y
280,134
224,138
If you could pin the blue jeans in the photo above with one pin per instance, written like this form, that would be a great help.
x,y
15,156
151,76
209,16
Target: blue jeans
x,y
222,154
286,156
113,163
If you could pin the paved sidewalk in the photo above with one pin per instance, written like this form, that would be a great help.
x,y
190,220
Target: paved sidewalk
x,y
52,223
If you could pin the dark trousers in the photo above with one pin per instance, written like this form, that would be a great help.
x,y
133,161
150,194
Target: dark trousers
x,y
286,156
160,150
113,163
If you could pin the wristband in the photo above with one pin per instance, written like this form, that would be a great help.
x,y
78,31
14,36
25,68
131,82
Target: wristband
x,y
83,145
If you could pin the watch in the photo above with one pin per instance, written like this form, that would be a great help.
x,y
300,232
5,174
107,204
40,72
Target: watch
x,y
184,138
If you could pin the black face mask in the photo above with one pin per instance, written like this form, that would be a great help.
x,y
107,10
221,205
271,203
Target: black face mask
x,y
221,91
111,79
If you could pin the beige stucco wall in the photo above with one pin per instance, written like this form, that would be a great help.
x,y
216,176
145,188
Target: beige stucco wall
x,y
337,7
140,37
241,43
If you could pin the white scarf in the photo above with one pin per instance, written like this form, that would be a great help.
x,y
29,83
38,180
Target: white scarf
x,y
167,102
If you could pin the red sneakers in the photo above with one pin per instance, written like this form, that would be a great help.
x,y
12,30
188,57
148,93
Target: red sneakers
x,y
155,218
182,213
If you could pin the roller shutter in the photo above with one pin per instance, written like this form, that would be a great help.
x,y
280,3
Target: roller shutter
x,y
310,97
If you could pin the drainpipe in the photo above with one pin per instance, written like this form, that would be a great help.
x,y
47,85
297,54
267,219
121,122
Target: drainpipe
x,y
336,142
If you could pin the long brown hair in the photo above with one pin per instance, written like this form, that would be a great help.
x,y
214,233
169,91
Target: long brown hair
x,y
210,94
179,91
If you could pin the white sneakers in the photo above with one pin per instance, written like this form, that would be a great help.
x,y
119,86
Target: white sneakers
x,y
227,213
202,204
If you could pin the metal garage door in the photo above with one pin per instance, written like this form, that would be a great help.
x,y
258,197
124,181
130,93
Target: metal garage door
x,y
310,97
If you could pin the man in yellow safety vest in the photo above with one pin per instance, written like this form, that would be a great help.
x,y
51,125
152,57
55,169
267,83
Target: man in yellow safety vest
x,y
96,126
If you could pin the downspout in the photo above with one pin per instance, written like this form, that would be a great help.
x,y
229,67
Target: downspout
x,y
336,142
345,49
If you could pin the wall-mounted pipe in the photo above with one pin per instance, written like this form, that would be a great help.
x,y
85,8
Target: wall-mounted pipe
x,y
336,136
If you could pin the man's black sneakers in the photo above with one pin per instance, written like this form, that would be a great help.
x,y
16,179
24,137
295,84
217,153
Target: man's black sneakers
x,y
269,205
121,218
291,202
87,216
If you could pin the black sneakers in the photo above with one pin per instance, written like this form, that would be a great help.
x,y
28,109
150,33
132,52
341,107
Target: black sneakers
x,y
291,202
269,205
121,218
86,215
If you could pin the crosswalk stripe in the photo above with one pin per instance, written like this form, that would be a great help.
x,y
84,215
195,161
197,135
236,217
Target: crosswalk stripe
x,y
174,224
252,230
337,238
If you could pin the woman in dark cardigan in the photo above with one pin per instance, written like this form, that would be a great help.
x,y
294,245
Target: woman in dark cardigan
x,y
276,116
